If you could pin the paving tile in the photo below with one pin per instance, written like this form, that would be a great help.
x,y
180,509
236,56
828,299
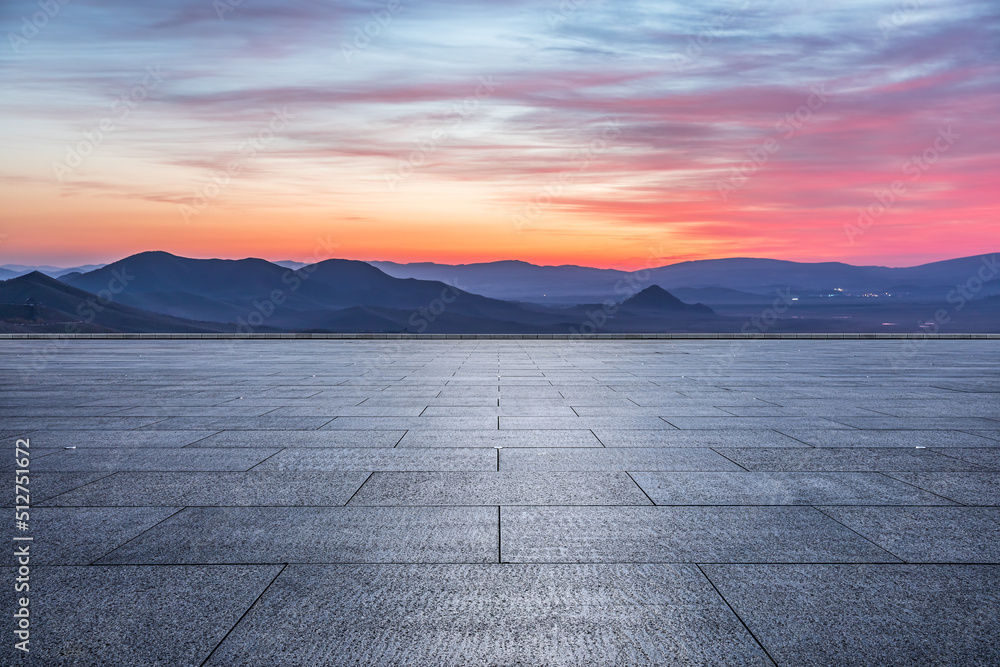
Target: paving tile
x,y
780,488
430,615
404,423
901,438
238,489
919,423
986,458
892,615
498,488
80,535
775,423
967,488
171,615
699,438
246,423
374,459
840,459
47,485
568,423
607,459
160,438
927,534
318,535
191,459
679,534
468,438
301,439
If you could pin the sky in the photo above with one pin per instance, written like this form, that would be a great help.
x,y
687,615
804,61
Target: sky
x,y
615,134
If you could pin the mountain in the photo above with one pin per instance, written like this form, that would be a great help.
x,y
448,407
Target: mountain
x,y
36,302
519,281
659,300
248,291
14,270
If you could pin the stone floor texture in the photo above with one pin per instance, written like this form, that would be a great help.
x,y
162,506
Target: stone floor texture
x,y
484,502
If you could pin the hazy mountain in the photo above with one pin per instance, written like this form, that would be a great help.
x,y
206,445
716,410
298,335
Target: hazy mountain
x,y
574,284
257,292
13,270
655,299
36,302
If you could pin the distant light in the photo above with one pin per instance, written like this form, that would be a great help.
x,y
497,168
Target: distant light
x,y
795,298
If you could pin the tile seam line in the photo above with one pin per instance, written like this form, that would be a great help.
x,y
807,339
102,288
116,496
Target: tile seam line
x,y
244,615
736,614
135,537
370,475
866,539
920,488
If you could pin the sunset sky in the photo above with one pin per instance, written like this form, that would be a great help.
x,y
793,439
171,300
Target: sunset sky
x,y
613,134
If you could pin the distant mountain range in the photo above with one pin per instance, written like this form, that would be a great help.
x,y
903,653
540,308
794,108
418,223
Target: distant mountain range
x,y
157,291
715,281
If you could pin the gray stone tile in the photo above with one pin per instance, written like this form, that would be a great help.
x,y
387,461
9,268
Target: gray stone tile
x,y
78,423
302,439
404,423
493,439
775,423
678,535
430,615
160,438
928,534
318,535
245,423
968,488
80,535
99,616
698,438
607,459
46,485
655,411
568,423
892,615
498,488
494,411
177,459
843,459
780,488
919,423
901,438
237,489
365,410
374,459
984,457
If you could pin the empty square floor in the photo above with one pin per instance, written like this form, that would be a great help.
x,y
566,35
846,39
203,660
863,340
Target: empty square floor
x,y
502,502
